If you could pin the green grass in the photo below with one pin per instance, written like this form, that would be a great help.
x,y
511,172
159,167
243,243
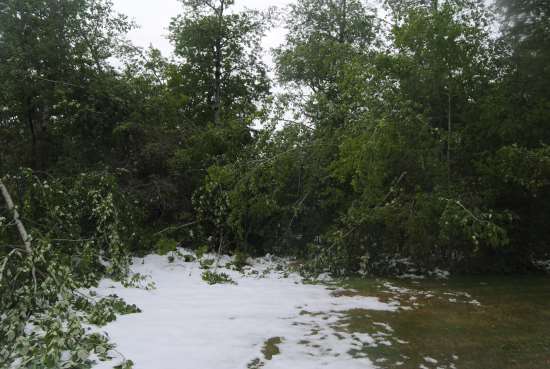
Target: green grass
x,y
510,330
271,348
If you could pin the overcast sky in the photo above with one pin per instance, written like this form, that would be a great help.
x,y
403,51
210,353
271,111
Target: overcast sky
x,y
153,17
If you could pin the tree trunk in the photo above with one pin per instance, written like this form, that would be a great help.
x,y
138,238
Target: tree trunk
x,y
30,123
449,134
343,21
218,63
217,88
42,137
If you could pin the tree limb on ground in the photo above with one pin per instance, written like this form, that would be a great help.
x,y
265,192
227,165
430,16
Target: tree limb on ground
x,y
20,227
25,237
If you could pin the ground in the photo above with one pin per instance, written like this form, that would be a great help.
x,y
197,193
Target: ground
x,y
475,322
269,318
272,318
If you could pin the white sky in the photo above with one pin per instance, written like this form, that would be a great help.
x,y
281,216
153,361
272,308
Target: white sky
x,y
153,17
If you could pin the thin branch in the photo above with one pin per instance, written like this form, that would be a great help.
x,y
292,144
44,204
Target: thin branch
x,y
467,211
5,263
73,241
170,229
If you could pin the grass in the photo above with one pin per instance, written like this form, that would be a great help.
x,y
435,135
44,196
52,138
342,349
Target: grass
x,y
271,347
510,330
269,350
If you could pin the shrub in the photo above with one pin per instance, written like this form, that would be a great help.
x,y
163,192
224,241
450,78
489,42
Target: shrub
x,y
201,251
164,246
240,259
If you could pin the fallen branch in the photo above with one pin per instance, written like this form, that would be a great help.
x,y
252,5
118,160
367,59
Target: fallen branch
x,y
20,226
169,229
457,202
392,187
395,183
16,219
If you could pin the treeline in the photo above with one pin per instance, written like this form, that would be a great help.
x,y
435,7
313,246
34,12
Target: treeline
x,y
419,134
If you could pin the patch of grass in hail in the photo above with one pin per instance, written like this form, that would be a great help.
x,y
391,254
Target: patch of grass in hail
x,y
206,263
269,350
271,347
217,278
474,323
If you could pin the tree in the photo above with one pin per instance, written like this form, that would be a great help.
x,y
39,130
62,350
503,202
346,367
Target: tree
x,y
52,54
221,68
323,38
444,63
526,32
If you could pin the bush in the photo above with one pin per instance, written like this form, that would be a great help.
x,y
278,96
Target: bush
x,y
164,246
240,259
201,251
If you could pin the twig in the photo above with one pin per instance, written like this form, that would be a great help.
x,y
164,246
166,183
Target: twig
x,y
3,266
219,251
169,229
392,188
457,202
297,206
73,241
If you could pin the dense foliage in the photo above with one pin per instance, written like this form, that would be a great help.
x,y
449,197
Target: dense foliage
x,y
421,136
79,234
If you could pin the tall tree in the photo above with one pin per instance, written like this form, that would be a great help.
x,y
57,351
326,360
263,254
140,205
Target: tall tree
x,y
444,62
526,32
222,70
51,54
323,37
